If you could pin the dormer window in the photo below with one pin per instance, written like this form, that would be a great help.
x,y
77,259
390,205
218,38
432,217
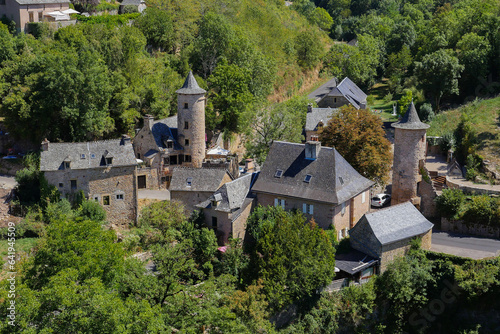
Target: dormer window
x,y
189,181
307,179
320,126
67,164
170,144
92,156
109,161
278,173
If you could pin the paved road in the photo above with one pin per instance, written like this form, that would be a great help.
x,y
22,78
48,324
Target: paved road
x,y
162,195
7,182
466,246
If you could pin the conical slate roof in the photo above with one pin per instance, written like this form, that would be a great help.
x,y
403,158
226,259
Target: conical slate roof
x,y
410,120
190,86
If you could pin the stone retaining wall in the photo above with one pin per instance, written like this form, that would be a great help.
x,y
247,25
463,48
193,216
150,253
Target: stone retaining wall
x,y
459,226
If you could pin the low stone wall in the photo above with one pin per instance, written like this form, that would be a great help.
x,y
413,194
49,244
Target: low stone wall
x,y
459,226
479,190
427,194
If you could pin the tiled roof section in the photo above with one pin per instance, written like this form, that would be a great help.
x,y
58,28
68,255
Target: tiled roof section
x,y
164,129
130,3
40,2
87,155
399,222
200,179
322,91
317,115
410,120
191,86
354,261
333,180
352,92
232,194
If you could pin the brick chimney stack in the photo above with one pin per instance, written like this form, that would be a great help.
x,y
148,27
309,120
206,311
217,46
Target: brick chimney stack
x,y
148,121
312,148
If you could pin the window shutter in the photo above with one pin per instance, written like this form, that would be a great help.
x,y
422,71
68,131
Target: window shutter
x,y
304,208
276,202
283,204
311,209
363,197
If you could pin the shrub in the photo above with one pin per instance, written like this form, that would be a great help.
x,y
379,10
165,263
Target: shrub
x,y
92,210
481,210
450,203
426,113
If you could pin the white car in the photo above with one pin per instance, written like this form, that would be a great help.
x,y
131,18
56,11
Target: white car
x,y
381,200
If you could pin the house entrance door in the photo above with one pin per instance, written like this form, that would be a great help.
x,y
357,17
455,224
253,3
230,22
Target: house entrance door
x,y
141,181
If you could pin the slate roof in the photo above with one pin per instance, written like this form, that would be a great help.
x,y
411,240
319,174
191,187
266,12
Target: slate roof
x,y
164,129
410,120
231,195
317,115
130,3
351,92
87,155
333,179
354,261
322,91
41,2
202,179
395,223
190,86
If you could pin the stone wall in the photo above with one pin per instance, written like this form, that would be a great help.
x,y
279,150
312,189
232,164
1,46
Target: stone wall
x,y
459,226
363,240
152,177
409,150
116,186
333,102
190,198
427,194
398,249
240,223
454,183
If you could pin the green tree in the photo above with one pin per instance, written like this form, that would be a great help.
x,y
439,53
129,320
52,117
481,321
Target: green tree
x,y
450,203
358,136
157,26
404,102
92,210
309,49
438,73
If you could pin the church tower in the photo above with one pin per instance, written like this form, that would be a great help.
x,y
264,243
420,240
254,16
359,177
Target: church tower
x,y
409,153
191,121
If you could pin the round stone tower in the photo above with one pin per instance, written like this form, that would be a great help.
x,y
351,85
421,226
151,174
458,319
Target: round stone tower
x,y
191,121
409,156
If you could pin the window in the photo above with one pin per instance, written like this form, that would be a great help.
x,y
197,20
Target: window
x,y
189,181
96,198
82,156
73,184
92,156
40,16
308,178
31,17
105,200
334,100
279,202
214,222
340,235
186,125
185,105
342,209
186,142
67,164
278,173
109,161
166,161
308,208
119,196
170,144
187,158
173,160
138,155
61,185
320,126
363,197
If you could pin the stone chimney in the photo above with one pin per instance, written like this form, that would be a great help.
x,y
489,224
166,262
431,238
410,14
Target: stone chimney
x,y
309,107
312,148
125,140
45,145
148,121
249,165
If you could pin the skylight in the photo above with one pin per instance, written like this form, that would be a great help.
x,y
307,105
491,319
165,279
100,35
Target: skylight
x,y
308,178
278,173
92,156
82,156
189,180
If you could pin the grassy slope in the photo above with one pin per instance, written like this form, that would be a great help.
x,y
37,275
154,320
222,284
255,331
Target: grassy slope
x,y
484,116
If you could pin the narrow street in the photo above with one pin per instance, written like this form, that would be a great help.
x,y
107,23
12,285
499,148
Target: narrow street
x,y
463,245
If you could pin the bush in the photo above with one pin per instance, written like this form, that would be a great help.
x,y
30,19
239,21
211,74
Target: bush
x,y
426,113
450,203
92,210
481,210
106,6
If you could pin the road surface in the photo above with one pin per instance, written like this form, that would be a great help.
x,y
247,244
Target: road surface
x,y
466,246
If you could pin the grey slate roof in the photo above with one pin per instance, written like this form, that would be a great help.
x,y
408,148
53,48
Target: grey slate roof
x,y
130,3
399,222
202,179
164,129
87,155
317,115
231,195
333,179
190,86
410,120
40,2
354,261
323,90
352,92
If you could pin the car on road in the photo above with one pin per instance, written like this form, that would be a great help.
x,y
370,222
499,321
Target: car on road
x,y
381,200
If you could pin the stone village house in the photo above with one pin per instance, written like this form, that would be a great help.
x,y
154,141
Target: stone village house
x,y
316,180
104,170
25,11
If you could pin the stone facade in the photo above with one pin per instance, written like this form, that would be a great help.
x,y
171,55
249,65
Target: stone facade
x,y
151,178
398,249
191,127
326,214
409,150
114,188
190,198
334,102
459,226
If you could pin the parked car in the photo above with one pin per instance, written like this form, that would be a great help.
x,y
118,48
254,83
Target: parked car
x,y
381,200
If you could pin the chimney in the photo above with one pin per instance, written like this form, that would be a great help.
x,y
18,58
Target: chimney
x,y
309,107
125,140
45,145
249,166
148,121
312,148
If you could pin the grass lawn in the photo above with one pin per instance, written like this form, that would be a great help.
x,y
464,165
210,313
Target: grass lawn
x,y
23,245
379,91
485,117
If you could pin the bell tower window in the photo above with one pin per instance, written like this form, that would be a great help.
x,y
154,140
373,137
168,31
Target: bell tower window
x,y
185,106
